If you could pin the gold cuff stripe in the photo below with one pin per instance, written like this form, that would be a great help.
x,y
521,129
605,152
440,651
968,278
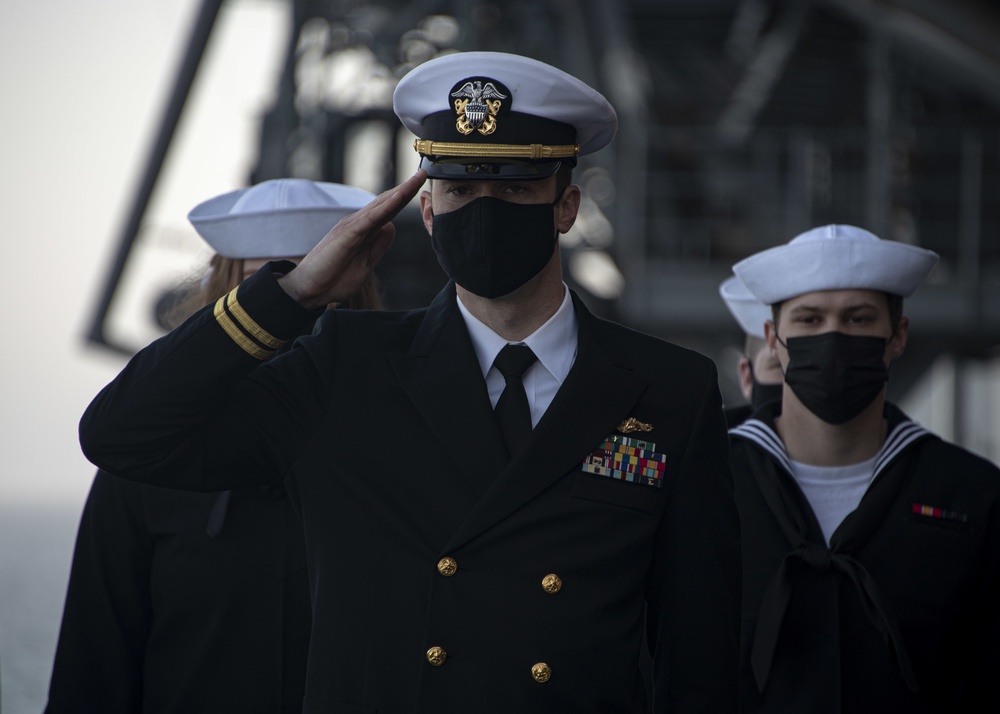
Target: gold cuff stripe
x,y
244,342
237,336
256,331
504,151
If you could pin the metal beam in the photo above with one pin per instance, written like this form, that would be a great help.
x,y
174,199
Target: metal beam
x,y
967,48
760,77
200,34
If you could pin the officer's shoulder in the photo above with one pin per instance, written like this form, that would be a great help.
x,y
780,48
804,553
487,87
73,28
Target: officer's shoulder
x,y
644,348
368,329
375,320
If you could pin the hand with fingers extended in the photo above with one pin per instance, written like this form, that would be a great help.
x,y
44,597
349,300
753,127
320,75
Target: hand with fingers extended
x,y
334,270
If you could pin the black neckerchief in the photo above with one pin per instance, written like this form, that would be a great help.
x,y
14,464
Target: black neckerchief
x,y
838,556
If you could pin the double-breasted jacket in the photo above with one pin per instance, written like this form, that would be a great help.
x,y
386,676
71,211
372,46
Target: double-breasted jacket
x,y
446,577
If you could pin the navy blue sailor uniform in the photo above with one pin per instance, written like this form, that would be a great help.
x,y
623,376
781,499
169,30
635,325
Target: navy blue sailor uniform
x,y
899,613
443,577
183,602
174,607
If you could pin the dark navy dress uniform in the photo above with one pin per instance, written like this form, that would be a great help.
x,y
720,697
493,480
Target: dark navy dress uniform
x,y
444,577
899,613
184,602
176,607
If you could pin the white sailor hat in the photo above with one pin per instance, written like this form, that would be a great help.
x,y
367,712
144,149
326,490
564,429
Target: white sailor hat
x,y
835,257
750,313
482,115
275,219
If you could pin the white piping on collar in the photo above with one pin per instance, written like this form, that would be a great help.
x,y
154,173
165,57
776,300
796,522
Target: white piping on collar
x,y
902,435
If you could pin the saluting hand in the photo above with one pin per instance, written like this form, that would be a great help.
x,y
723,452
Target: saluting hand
x,y
335,269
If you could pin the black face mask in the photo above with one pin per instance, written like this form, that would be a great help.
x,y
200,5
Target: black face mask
x,y
836,376
492,247
761,394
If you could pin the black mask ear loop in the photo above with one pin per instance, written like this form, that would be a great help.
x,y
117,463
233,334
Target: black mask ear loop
x,y
778,338
555,205
888,369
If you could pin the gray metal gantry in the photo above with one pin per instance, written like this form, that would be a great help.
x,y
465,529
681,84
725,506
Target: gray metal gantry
x,y
743,122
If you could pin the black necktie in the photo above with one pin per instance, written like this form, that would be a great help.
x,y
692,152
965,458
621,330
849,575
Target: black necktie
x,y
512,410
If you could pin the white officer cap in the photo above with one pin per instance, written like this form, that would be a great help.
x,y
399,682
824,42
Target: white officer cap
x,y
275,219
750,313
835,257
482,115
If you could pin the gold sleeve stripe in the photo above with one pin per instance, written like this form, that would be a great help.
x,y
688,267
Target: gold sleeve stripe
x,y
504,151
256,331
237,336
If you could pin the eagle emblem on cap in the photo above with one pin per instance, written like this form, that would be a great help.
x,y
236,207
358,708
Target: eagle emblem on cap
x,y
477,105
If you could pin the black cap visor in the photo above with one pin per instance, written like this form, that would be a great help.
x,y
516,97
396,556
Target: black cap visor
x,y
484,169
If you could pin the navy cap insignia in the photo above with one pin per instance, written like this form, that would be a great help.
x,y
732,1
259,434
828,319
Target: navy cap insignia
x,y
478,101
632,424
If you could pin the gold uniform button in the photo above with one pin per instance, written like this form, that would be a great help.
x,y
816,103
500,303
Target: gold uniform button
x,y
436,656
551,584
447,567
541,672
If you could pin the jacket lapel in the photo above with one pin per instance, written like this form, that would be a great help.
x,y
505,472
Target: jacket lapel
x,y
441,375
597,394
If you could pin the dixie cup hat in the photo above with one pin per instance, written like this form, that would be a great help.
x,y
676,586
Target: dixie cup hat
x,y
750,313
835,257
483,115
275,219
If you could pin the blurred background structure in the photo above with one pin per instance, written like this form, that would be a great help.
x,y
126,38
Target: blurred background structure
x,y
743,123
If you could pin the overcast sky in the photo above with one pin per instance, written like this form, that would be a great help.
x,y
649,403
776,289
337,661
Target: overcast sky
x,y
83,88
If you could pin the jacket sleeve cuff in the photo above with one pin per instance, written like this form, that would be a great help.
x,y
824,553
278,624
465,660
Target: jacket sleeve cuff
x,y
259,316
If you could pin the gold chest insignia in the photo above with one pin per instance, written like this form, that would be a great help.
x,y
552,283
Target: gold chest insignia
x,y
632,424
477,106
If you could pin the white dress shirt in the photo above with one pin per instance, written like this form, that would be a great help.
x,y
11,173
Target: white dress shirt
x,y
833,491
554,344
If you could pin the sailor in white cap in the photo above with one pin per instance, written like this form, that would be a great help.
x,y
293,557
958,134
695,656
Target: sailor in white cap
x,y
501,493
276,218
871,547
758,371
191,602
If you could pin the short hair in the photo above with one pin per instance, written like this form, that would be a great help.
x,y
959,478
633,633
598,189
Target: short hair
x,y
893,302
564,177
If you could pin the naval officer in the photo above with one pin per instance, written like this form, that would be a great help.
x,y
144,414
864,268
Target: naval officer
x,y
870,545
501,493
